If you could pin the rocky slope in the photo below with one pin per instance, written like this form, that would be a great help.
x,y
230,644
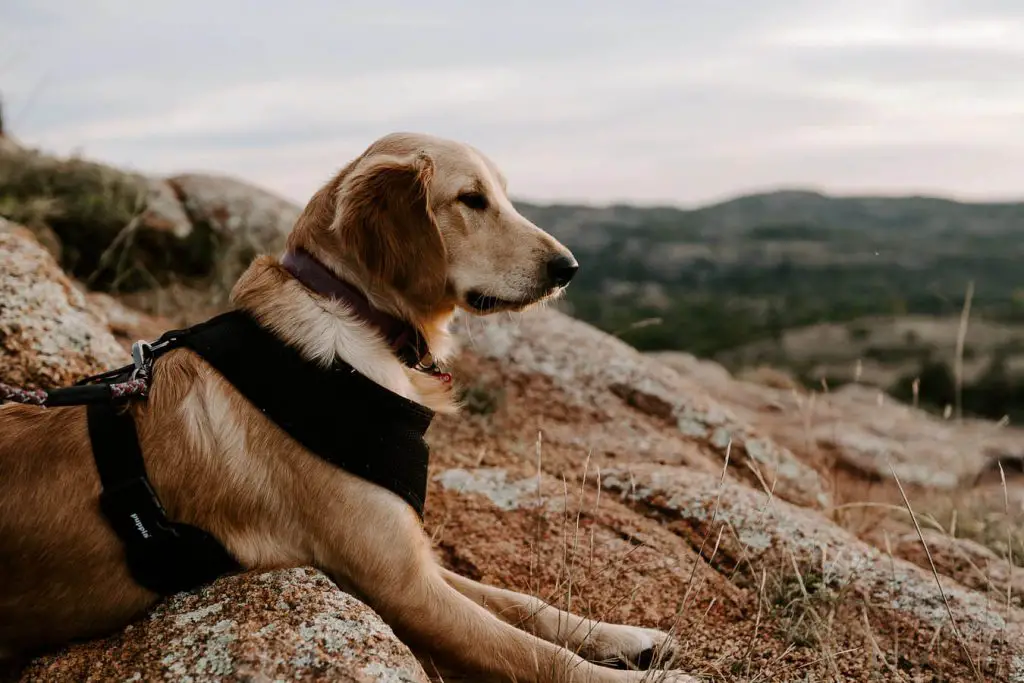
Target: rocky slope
x,y
634,482
761,524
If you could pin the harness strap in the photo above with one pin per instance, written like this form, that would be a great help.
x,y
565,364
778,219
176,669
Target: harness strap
x,y
163,556
380,440
79,395
340,415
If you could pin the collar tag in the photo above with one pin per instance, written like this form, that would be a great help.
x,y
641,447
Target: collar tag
x,y
428,365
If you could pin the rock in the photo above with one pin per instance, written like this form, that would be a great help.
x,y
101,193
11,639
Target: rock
x,y
293,625
771,377
863,430
163,212
621,403
49,334
245,219
115,228
127,324
579,407
967,561
803,557
690,366
582,551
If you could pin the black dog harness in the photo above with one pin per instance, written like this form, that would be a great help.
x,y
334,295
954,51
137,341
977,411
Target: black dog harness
x,y
335,413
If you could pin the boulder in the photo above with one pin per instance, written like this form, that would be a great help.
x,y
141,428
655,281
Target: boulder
x,y
605,473
621,404
127,324
292,624
860,429
114,228
50,335
969,562
818,576
244,219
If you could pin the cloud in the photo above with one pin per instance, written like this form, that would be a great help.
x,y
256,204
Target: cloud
x,y
651,101
1001,34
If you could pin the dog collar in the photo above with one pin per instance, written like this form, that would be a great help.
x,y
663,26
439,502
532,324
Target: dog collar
x,y
404,339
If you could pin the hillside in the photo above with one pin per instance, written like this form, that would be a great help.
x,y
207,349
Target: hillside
x,y
730,281
743,270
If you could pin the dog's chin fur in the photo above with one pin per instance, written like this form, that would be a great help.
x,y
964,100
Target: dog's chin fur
x,y
325,330
510,306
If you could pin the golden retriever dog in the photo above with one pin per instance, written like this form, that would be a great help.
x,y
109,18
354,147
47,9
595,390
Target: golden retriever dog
x,y
422,227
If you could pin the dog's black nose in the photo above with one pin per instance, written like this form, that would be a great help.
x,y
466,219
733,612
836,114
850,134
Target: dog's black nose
x,y
561,270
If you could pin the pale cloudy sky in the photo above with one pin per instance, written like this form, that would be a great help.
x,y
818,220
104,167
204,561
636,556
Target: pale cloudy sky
x,y
680,101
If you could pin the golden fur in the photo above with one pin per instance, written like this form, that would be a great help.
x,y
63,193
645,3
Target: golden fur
x,y
396,223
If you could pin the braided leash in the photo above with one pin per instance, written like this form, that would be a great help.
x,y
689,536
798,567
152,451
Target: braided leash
x,y
32,397
133,388
136,386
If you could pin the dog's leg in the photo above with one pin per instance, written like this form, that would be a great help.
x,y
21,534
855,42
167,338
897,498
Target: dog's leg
x,y
593,640
390,566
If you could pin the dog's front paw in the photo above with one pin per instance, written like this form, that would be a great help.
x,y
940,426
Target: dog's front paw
x,y
629,647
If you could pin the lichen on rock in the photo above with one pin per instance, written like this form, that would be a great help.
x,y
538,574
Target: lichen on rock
x,y
778,536
293,625
592,369
49,333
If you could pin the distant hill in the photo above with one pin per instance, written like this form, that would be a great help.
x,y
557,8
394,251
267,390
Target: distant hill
x,y
814,284
744,270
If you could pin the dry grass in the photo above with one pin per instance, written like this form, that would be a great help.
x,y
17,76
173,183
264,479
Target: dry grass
x,y
822,621
984,516
804,623
84,204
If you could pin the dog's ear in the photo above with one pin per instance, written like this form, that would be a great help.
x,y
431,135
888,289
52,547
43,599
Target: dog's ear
x,y
385,221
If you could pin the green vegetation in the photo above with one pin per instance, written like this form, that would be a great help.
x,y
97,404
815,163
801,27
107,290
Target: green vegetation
x,y
746,271
994,394
481,398
94,219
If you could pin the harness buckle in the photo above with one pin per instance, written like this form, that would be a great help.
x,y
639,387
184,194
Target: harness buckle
x,y
142,358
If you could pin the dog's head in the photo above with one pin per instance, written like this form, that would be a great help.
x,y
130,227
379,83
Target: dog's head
x,y
424,224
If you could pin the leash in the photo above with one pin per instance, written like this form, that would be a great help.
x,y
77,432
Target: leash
x,y
92,389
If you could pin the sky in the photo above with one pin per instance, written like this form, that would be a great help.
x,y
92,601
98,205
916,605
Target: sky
x,y
648,101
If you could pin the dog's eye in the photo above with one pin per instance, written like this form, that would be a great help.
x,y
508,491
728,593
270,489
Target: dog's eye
x,y
474,200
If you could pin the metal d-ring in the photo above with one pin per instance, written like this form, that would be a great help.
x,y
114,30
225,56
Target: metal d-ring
x,y
142,357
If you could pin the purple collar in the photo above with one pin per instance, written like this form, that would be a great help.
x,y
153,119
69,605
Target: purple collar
x,y
404,339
